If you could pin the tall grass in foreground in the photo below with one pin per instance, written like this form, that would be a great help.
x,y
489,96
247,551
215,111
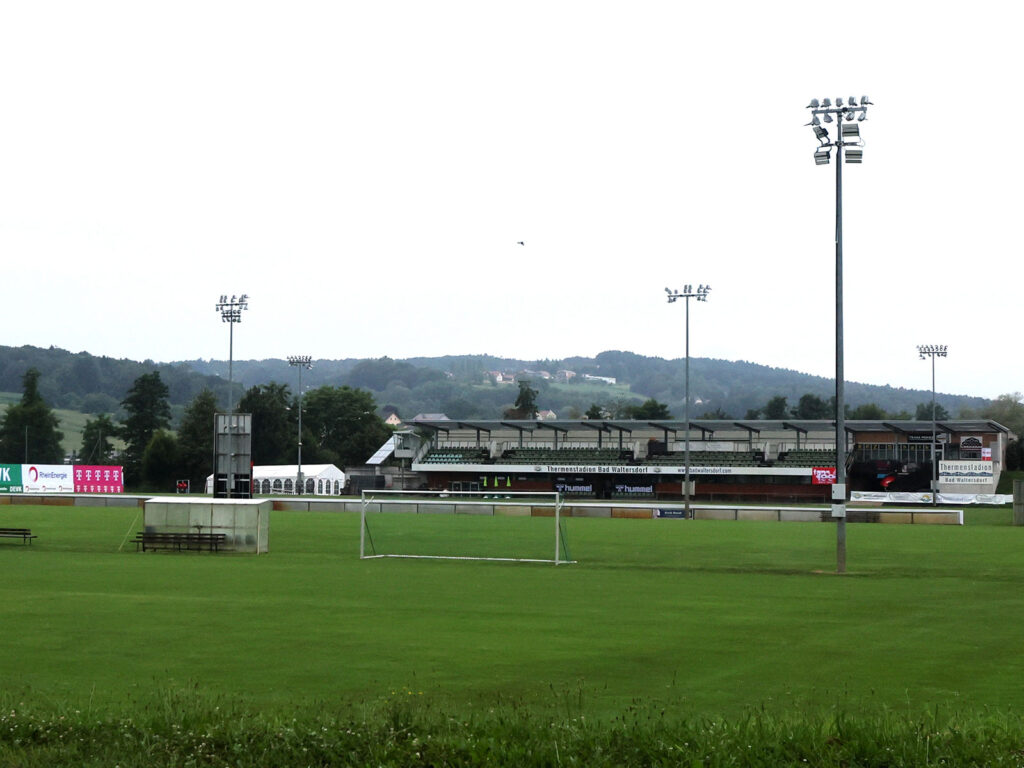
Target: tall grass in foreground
x,y
183,730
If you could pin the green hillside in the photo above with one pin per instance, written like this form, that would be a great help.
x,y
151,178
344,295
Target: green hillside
x,y
72,423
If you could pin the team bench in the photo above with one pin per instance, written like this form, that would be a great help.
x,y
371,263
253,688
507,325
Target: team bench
x,y
179,541
17,533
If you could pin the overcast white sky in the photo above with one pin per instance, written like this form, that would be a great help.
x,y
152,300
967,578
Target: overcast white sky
x,y
364,171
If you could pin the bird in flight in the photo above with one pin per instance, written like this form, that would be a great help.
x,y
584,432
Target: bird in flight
x,y
520,242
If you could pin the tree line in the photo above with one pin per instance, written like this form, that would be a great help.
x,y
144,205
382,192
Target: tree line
x,y
340,426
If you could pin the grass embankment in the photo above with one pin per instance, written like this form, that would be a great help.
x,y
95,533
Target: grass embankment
x,y
667,639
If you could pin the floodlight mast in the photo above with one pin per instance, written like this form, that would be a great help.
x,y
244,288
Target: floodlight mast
x,y
300,362
933,351
701,294
231,313
847,130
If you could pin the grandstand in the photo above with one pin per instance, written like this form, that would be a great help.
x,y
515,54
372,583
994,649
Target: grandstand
x,y
771,460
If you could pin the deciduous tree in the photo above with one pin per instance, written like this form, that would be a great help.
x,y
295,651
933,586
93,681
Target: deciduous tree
x,y
195,439
924,412
776,408
344,428
525,406
160,461
96,437
649,409
275,418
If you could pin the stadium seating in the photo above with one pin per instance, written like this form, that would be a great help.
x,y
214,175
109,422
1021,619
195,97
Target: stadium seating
x,y
702,458
457,456
566,456
807,457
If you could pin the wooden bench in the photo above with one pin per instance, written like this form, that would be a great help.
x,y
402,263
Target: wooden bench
x,y
179,541
17,533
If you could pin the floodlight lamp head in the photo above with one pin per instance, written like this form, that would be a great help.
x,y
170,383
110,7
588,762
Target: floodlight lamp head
x,y
822,157
814,104
820,133
864,101
862,117
828,117
687,289
826,103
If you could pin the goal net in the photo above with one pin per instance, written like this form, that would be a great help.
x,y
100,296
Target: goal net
x,y
463,525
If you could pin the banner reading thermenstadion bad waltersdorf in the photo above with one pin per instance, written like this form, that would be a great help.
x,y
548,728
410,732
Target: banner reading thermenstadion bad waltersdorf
x,y
60,478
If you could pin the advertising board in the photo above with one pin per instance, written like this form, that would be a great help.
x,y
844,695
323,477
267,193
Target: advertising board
x,y
98,479
47,478
60,478
10,478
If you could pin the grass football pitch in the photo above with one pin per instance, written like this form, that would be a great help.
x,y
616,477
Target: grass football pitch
x,y
696,617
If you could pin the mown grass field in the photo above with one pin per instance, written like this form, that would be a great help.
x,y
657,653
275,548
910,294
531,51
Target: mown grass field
x,y
690,619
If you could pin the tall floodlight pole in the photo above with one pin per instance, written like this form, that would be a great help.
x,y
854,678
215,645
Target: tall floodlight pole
x,y
300,362
231,313
933,351
701,294
848,118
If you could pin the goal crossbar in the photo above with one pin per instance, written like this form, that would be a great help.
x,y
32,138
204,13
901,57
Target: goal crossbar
x,y
383,498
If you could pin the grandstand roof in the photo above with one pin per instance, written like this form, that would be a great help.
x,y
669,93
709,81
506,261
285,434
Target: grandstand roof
x,y
710,426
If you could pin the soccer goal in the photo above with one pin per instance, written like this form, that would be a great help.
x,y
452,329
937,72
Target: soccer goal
x,y
520,527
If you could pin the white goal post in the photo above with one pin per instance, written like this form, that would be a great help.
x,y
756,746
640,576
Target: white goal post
x,y
501,526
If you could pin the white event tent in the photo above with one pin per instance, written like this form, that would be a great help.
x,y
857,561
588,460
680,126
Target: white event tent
x,y
318,479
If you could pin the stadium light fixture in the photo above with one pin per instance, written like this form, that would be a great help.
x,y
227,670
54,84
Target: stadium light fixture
x,y
300,362
933,351
850,144
701,294
231,313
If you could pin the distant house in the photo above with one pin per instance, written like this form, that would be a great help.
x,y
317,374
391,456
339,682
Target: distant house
x,y
546,415
501,378
430,417
392,420
605,379
564,375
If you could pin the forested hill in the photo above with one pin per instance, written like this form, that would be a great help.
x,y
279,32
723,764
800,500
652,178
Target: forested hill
x,y
457,385
90,384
